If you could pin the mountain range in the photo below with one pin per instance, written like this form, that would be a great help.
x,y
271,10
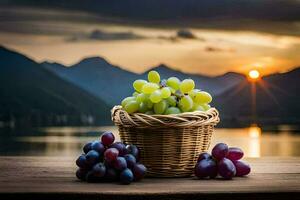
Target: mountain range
x,y
90,88
91,73
33,95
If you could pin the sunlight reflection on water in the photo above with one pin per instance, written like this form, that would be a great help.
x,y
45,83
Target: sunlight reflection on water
x,y
69,141
256,143
249,139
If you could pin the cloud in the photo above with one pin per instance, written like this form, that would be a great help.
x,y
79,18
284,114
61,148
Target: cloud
x,y
185,33
98,34
101,35
276,16
287,10
182,34
218,49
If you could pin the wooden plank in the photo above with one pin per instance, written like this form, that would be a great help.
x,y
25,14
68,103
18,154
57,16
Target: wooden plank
x,y
37,176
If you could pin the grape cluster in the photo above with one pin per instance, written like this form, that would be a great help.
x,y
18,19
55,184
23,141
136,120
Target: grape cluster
x,y
167,96
106,161
223,161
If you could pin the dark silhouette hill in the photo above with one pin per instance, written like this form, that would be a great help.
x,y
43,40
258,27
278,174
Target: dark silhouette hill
x,y
97,76
215,85
33,95
112,83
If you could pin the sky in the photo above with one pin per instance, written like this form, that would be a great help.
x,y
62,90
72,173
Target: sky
x,y
208,37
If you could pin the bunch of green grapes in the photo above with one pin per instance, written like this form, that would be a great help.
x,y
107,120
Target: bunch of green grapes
x,y
170,96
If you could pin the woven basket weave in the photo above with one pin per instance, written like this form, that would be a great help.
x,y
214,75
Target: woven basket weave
x,y
169,144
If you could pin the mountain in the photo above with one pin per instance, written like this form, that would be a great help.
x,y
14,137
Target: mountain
x,y
277,101
112,83
98,77
215,85
31,94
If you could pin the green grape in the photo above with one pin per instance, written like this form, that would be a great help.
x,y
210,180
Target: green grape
x,y
150,112
138,84
165,92
149,103
202,97
153,77
186,103
143,107
187,85
141,97
205,106
173,91
193,93
156,96
148,88
173,82
197,107
160,107
135,94
178,93
132,106
126,100
172,110
172,101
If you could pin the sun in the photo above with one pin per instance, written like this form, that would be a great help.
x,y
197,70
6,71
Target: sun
x,y
253,74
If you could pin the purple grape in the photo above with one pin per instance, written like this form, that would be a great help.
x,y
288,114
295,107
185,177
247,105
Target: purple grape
x,y
206,168
133,150
81,161
234,153
203,156
242,168
98,146
220,151
130,159
108,164
139,171
111,175
92,157
90,177
99,170
81,173
121,147
120,163
111,154
126,176
107,138
87,147
226,168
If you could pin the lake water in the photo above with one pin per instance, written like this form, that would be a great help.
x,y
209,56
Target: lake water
x,y
68,141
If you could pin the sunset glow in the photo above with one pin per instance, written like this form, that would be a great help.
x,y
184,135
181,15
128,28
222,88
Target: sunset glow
x,y
196,49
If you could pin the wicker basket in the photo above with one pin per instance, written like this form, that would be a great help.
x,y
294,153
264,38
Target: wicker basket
x,y
169,144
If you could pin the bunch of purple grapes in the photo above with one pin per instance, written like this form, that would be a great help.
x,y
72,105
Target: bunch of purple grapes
x,y
223,161
106,161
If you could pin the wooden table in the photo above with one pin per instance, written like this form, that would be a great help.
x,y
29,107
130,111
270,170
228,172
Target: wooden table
x,y
53,178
